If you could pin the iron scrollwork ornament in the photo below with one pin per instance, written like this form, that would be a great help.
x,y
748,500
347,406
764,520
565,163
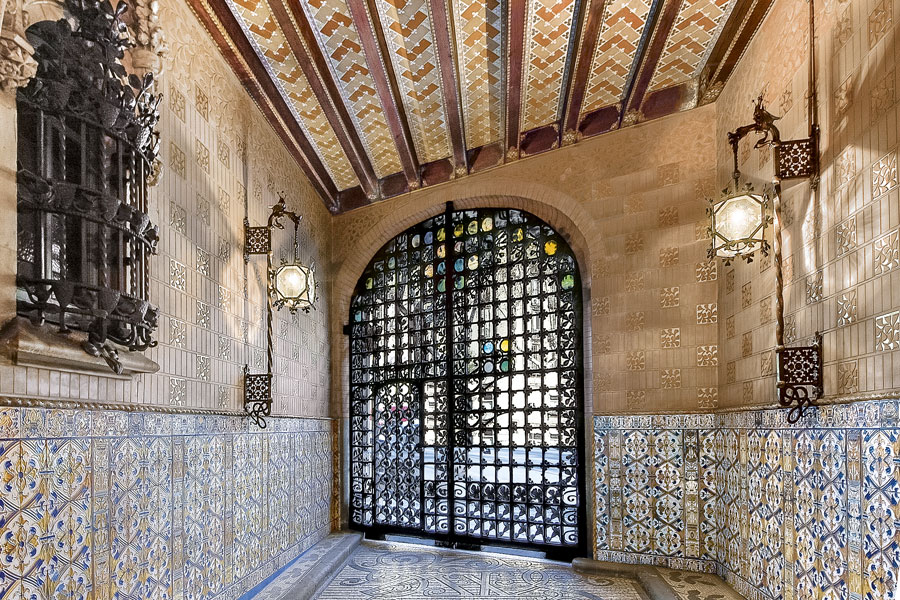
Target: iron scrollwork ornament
x,y
86,145
800,377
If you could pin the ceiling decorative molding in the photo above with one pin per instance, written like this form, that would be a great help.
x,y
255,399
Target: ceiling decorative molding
x,y
378,98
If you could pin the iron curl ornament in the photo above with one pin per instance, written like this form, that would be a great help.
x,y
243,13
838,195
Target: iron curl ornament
x,y
290,284
87,150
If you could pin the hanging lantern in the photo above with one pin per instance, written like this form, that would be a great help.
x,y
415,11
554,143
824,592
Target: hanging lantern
x,y
738,223
295,286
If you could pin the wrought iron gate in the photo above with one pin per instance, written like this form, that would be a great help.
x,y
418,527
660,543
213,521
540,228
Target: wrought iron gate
x,y
466,400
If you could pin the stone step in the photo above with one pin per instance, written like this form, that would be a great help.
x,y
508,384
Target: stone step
x,y
311,571
661,583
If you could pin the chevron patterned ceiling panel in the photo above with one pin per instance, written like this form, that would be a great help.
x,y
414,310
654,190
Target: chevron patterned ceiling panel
x,y
479,43
696,27
339,41
407,29
620,35
261,27
382,97
548,31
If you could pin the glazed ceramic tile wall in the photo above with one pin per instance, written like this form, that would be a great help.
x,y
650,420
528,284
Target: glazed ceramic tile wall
x,y
102,504
842,259
221,161
782,511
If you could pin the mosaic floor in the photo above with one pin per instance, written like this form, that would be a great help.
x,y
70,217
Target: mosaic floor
x,y
380,570
399,571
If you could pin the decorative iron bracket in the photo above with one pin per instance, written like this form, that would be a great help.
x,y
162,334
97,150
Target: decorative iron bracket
x,y
258,240
797,159
800,377
800,368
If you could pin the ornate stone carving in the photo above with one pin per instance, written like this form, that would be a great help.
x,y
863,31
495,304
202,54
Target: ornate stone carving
x,y
17,65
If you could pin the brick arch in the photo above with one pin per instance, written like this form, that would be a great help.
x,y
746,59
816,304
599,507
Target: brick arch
x,y
561,212
381,223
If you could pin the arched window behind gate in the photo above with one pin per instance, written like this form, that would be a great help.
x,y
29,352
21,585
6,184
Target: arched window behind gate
x,y
466,397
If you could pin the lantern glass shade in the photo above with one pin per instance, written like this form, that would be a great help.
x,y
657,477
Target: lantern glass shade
x,y
738,224
295,286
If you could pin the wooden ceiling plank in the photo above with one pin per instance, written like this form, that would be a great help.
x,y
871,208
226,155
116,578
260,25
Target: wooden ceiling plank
x,y
516,51
256,79
662,26
387,92
588,44
440,18
315,68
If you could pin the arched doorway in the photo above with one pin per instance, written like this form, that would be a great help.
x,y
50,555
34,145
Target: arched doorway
x,y
466,398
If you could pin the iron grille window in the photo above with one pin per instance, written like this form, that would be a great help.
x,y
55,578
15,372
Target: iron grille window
x,y
466,400
86,148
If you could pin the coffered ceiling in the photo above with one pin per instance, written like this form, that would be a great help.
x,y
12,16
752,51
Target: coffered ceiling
x,y
377,98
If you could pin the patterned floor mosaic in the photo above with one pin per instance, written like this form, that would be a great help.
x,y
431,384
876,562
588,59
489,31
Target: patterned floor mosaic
x,y
391,570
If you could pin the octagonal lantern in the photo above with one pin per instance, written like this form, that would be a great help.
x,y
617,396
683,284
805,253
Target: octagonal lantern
x,y
737,225
294,286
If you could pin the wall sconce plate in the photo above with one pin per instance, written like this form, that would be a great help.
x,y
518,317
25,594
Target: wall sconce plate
x,y
800,377
258,396
798,158
258,240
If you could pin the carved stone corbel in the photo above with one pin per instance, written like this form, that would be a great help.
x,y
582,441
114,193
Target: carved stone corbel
x,y
149,38
17,65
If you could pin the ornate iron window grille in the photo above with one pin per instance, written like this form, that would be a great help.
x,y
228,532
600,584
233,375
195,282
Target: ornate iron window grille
x,y
87,146
466,399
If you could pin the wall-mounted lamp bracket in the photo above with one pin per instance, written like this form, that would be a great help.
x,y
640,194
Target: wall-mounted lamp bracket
x,y
799,380
258,240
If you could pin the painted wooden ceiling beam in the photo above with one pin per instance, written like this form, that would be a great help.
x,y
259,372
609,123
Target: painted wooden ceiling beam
x,y
442,39
661,25
387,92
736,35
579,78
240,55
315,68
516,53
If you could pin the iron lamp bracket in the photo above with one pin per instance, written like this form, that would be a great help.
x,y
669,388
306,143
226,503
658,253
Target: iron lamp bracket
x,y
800,377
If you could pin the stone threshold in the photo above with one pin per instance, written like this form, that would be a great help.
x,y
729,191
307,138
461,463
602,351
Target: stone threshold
x,y
651,580
309,573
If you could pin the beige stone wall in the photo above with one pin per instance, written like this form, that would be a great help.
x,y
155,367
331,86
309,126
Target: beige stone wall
x,y
222,161
631,205
842,254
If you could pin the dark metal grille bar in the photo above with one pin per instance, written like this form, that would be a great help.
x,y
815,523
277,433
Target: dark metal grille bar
x,y
473,319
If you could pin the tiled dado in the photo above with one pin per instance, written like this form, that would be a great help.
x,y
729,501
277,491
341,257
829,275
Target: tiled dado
x,y
107,504
781,511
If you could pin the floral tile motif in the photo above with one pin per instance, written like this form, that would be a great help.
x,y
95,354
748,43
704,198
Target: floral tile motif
x,y
785,511
143,505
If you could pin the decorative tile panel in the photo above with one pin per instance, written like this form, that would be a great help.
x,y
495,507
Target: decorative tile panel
x,y
339,41
549,27
783,511
407,28
884,174
620,34
146,505
696,27
478,25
